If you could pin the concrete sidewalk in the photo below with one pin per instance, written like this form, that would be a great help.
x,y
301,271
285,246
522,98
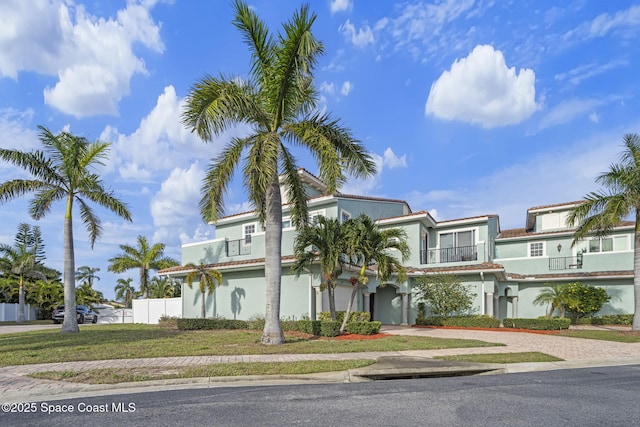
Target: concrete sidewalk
x,y
15,386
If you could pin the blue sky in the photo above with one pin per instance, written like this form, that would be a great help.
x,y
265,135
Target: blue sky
x,y
469,107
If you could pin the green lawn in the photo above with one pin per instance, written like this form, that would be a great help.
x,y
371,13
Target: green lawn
x,y
97,342
619,336
503,357
114,376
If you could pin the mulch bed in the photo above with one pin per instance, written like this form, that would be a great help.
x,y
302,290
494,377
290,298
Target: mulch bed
x,y
348,337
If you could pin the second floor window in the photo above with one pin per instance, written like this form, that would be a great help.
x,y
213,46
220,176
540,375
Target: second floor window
x,y
248,231
536,249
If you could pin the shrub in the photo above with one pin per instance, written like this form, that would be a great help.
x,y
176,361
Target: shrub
x,y
363,328
169,322
356,316
474,321
542,324
444,294
195,324
610,319
329,328
309,327
588,300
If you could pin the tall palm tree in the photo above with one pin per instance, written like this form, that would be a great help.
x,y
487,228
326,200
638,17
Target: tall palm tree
x,y
557,297
65,170
24,260
87,274
603,210
145,257
369,246
278,101
208,279
125,292
323,243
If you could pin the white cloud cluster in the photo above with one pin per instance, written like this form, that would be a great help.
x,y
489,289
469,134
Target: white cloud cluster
x,y
481,89
174,207
91,56
388,160
346,89
160,143
340,5
358,37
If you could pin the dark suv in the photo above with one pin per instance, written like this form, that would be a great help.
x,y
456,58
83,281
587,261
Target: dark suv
x,y
83,314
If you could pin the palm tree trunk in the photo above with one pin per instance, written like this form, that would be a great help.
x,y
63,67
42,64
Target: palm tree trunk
x,y
347,314
636,275
144,283
331,290
21,301
272,333
70,323
202,311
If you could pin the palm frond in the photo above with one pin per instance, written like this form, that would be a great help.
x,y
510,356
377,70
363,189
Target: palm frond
x,y
257,37
296,191
91,222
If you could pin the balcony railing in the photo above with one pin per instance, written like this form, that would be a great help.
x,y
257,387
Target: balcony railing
x,y
238,247
457,254
565,263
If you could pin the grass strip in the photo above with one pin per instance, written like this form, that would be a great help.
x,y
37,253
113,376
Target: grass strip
x,y
133,341
524,357
123,375
617,336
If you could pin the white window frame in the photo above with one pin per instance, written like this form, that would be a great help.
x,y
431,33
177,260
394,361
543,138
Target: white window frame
x,y
475,230
313,214
530,249
344,214
286,219
245,234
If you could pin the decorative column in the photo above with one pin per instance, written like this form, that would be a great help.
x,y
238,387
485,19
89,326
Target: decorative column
x,y
489,306
366,304
405,309
514,307
318,302
496,305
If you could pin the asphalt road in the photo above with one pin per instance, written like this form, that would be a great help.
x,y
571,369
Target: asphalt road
x,y
606,396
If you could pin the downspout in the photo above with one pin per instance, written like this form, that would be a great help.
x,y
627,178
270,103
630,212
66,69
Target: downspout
x,y
482,299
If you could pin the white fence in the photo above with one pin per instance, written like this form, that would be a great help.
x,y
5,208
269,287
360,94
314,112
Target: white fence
x,y
150,310
9,312
115,315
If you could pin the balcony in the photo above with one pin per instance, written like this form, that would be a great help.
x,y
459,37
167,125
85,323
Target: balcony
x,y
445,255
238,247
565,263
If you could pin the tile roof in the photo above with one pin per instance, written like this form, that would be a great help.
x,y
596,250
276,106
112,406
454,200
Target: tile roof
x,y
219,265
521,232
470,217
439,268
574,274
555,205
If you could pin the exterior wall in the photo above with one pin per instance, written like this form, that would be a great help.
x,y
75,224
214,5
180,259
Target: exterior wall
x,y
242,296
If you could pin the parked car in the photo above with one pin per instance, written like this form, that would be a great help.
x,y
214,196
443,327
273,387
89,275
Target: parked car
x,y
83,314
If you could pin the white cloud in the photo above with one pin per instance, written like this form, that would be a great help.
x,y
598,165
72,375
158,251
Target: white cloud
x,y
579,74
174,207
392,161
160,143
359,38
340,5
59,38
327,88
571,109
561,175
347,87
594,117
481,89
388,160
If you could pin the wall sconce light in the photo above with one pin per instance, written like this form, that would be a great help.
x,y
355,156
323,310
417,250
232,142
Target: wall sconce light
x,y
559,247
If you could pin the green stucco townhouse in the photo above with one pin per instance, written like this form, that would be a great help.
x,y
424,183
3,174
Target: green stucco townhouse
x,y
505,268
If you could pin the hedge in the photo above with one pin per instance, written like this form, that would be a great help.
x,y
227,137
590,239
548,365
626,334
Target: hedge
x,y
356,316
483,321
312,327
610,319
330,329
363,328
543,324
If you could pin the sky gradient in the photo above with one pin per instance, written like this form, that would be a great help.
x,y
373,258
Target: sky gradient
x,y
469,107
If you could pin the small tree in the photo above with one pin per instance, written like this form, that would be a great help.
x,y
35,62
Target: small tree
x,y
589,299
444,294
208,280
557,297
